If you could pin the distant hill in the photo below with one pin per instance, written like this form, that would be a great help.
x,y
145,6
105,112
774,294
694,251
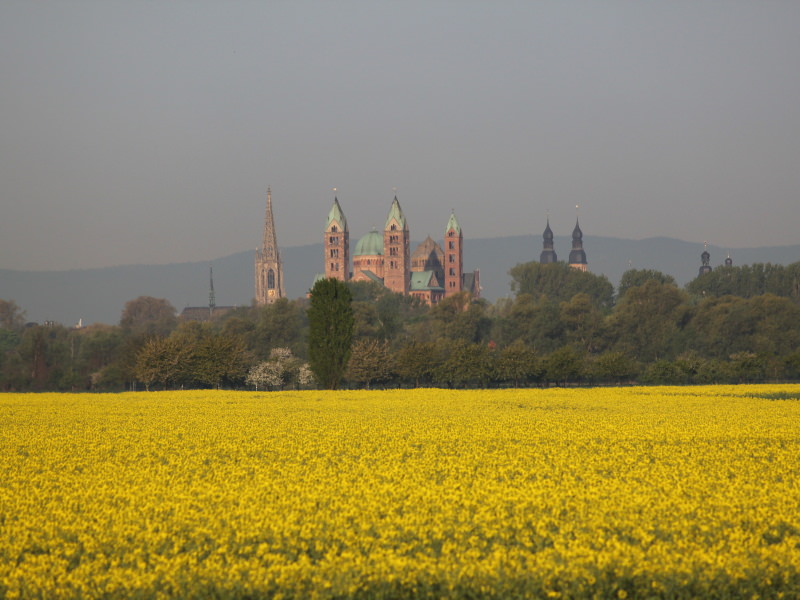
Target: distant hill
x,y
98,295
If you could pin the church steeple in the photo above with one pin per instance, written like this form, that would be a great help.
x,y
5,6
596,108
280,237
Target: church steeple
x,y
548,254
453,257
577,257
705,258
268,266
396,251
337,244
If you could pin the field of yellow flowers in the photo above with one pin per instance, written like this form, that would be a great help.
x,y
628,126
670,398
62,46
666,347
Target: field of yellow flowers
x,y
602,493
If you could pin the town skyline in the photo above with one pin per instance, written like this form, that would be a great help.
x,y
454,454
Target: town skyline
x,y
149,133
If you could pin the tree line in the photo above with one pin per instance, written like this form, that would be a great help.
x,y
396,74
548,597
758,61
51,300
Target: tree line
x,y
558,326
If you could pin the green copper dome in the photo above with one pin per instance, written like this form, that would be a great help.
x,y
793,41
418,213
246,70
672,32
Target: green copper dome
x,y
370,245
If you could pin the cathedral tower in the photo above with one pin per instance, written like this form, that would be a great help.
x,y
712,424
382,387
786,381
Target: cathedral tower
x,y
337,244
268,266
453,257
577,257
396,251
548,254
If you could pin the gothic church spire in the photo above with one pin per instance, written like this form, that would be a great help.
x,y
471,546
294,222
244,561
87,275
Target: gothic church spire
x,y
268,267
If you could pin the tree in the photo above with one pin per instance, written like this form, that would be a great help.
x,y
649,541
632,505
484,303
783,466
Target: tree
x,y
148,316
614,367
11,316
330,335
747,367
637,277
559,282
563,365
468,365
647,322
278,325
161,360
280,370
219,360
582,322
663,372
417,361
459,317
518,363
369,362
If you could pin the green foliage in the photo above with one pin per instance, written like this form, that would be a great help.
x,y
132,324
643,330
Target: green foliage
x,y
417,362
12,317
613,367
162,361
148,316
647,323
638,277
518,364
748,281
564,365
559,282
467,365
219,360
330,320
369,362
664,372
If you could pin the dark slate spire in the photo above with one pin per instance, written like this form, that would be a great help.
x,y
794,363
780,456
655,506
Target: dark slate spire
x,y
548,254
705,257
577,257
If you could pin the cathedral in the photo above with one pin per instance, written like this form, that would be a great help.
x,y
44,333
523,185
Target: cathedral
x,y
268,266
429,273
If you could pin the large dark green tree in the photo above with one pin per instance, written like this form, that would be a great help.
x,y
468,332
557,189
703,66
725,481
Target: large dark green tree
x,y
559,283
330,331
638,277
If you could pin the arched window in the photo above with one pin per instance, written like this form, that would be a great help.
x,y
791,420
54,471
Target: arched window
x,y
271,279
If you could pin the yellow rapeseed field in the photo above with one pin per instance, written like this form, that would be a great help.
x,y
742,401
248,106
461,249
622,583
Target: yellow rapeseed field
x,y
603,493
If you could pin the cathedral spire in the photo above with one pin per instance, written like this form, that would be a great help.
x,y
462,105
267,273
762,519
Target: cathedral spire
x,y
454,257
396,250
269,269
337,243
548,254
705,258
577,257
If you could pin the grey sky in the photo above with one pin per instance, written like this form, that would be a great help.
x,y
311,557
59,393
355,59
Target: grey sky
x,y
148,132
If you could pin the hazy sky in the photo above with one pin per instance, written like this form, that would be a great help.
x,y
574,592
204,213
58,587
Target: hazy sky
x,y
148,132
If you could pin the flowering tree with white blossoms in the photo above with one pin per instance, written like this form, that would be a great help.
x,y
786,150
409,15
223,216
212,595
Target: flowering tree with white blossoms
x,y
281,369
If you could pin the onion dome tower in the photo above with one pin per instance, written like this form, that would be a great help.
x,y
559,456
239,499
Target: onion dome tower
x,y
729,260
453,257
268,267
577,257
705,257
548,254
396,251
337,244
